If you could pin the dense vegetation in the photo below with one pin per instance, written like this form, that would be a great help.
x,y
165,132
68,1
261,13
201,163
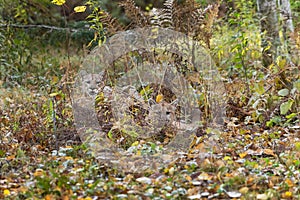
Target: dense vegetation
x,y
254,155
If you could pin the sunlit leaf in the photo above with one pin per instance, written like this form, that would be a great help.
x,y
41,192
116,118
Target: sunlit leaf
x,y
297,85
262,196
144,180
234,194
58,2
283,92
54,94
80,9
244,190
38,172
287,195
286,106
6,192
159,98
297,146
243,155
289,182
269,152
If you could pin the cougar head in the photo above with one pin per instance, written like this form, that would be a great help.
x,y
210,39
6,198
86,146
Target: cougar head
x,y
92,83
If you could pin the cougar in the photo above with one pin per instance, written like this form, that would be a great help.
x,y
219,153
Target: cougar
x,y
92,84
161,114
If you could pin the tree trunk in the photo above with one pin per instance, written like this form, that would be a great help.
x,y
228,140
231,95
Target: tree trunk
x,y
286,15
288,30
269,30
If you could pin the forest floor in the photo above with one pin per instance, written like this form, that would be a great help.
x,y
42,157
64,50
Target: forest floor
x,y
39,161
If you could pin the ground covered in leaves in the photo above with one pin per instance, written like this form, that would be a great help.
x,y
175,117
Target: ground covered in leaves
x,y
243,161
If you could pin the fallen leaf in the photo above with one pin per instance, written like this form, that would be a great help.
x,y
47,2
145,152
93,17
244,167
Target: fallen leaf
x,y
38,172
234,194
145,180
244,190
287,194
204,176
6,192
197,196
243,155
289,182
269,152
262,196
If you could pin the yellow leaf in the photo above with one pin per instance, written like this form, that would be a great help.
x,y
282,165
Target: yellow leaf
x,y
159,98
227,158
289,182
48,197
243,155
135,143
38,172
55,79
6,192
10,157
88,198
297,146
244,190
58,2
54,94
188,178
287,194
105,187
79,9
68,158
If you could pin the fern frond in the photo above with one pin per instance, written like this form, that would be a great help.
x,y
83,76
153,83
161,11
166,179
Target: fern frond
x,y
211,13
135,14
166,18
110,23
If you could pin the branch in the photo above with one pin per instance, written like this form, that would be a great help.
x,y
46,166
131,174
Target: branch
x,y
39,26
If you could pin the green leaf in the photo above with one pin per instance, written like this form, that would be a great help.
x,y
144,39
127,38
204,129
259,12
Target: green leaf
x,y
297,85
297,146
291,116
259,88
109,134
285,107
2,153
283,92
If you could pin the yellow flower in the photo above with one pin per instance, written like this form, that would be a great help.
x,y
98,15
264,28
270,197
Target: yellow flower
x,y
58,2
79,9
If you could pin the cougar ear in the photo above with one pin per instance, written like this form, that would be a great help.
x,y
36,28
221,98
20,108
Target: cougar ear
x,y
82,73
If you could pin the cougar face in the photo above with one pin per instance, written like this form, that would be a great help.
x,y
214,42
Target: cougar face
x,y
92,83
161,114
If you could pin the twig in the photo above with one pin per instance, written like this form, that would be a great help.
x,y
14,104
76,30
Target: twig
x,y
40,26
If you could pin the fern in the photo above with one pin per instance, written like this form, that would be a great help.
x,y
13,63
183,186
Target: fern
x,y
186,17
135,14
110,23
166,17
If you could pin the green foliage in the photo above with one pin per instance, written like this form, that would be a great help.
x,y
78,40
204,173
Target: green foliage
x,y
239,51
26,12
295,6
